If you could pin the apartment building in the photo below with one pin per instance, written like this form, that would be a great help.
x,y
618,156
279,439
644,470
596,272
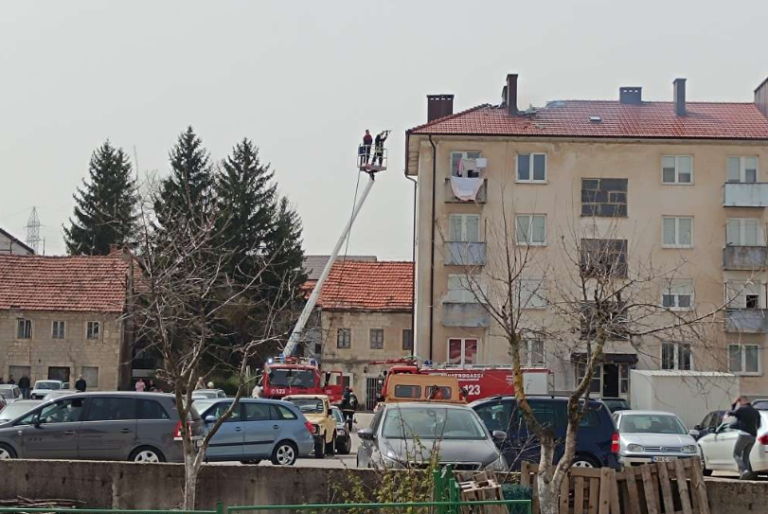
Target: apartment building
x,y
679,185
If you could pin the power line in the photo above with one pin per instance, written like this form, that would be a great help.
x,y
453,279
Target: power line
x,y
33,231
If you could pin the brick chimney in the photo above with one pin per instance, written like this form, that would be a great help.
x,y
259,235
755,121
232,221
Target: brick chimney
x,y
761,97
631,95
439,106
511,94
678,93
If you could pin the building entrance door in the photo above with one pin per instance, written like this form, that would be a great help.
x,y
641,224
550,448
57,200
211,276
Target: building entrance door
x,y
59,373
610,381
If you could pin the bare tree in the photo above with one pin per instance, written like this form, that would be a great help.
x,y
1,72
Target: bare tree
x,y
595,295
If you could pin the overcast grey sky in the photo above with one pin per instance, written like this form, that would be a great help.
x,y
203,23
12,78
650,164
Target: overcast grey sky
x,y
304,79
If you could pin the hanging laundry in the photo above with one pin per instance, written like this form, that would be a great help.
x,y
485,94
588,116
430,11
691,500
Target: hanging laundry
x,y
466,189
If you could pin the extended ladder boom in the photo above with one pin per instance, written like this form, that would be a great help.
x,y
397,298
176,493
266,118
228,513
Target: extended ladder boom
x,y
294,339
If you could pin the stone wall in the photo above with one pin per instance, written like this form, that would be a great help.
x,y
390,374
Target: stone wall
x,y
74,351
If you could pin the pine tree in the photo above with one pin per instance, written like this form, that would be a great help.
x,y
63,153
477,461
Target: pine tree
x,y
285,254
105,208
188,193
245,197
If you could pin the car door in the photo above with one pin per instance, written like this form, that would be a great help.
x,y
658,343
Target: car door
x,y
261,430
52,431
109,428
721,453
367,448
500,415
227,442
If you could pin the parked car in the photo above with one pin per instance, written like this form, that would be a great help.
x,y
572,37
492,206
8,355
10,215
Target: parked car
x,y
652,436
43,387
596,434
208,393
3,403
407,434
717,449
317,409
17,409
140,427
257,430
616,404
10,392
61,393
760,404
343,437
708,425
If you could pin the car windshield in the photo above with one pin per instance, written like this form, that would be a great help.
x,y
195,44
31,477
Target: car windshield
x,y
651,424
617,403
52,386
289,377
432,423
15,410
338,416
308,405
202,405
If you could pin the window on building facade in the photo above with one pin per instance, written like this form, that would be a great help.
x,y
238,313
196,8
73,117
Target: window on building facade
x,y
745,295
408,339
462,351
532,293
23,328
744,232
531,167
465,228
677,169
535,353
58,330
744,359
610,317
465,289
677,294
531,229
604,257
344,338
742,169
377,338
595,385
457,164
604,197
93,330
676,356
677,232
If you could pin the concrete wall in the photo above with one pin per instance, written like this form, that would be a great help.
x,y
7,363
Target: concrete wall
x,y
568,162
74,351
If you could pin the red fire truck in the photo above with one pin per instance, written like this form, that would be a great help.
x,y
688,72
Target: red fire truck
x,y
479,381
294,375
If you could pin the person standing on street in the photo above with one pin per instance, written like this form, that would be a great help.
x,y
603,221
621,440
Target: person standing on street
x,y
200,383
140,385
81,385
24,386
349,406
748,422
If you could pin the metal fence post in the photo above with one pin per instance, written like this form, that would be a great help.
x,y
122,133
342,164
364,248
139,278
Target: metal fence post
x,y
220,509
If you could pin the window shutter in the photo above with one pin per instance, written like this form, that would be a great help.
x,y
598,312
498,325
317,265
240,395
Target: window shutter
x,y
539,229
685,229
734,169
669,231
472,223
733,232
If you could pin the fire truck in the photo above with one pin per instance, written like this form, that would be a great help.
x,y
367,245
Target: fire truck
x,y
478,381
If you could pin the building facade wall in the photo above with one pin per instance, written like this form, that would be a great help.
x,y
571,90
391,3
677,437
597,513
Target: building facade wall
x,y
559,199
77,353
355,361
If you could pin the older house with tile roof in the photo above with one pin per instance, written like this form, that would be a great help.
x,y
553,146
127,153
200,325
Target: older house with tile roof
x,y
10,245
366,310
61,317
682,184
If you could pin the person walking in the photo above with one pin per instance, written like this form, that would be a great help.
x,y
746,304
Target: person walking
x,y
140,385
24,386
81,384
747,424
349,406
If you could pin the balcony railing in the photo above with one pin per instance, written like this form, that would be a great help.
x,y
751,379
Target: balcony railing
x,y
745,258
746,321
465,315
739,194
481,196
460,253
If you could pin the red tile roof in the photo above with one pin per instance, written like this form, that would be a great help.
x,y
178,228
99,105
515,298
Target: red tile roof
x,y
82,283
564,118
384,286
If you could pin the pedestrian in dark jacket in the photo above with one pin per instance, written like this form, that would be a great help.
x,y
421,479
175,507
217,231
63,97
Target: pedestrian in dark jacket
x,y
378,147
349,406
24,386
747,424
81,385
365,149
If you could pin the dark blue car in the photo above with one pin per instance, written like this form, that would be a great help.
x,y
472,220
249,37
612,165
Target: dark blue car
x,y
596,436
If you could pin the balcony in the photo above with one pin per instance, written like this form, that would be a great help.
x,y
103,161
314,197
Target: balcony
x,y
460,253
465,315
746,321
747,258
739,194
481,196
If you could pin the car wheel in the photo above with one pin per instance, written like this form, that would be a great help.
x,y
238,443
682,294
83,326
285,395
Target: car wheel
x,y
344,447
319,447
147,454
582,461
284,454
330,446
6,452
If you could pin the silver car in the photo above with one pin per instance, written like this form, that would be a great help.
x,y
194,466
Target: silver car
x,y
413,434
10,392
17,409
202,394
652,436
